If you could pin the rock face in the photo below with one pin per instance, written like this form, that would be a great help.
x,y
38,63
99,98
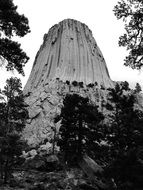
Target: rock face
x,y
69,53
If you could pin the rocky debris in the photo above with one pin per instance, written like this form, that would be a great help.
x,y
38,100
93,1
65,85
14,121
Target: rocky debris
x,y
52,159
42,158
29,155
93,170
73,179
37,163
43,163
45,104
47,149
42,150
90,166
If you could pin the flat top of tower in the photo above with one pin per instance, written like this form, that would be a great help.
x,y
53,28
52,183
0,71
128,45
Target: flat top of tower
x,y
70,22
69,52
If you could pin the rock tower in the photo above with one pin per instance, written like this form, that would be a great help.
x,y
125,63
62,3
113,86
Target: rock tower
x,y
68,53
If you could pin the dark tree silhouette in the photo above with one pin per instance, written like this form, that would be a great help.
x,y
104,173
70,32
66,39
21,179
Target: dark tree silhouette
x,y
12,24
131,12
138,88
125,137
13,115
125,119
80,129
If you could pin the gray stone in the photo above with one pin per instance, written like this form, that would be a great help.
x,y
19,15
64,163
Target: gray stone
x,y
89,166
69,53
52,159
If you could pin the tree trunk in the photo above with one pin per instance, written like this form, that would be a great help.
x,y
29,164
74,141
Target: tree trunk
x,y
79,149
1,170
6,172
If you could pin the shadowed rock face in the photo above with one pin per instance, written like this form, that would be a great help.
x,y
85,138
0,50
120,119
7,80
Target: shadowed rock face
x,y
69,52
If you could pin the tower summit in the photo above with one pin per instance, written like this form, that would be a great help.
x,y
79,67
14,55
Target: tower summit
x,y
69,52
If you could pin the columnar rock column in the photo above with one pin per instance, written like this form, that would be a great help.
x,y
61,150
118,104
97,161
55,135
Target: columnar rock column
x,y
68,53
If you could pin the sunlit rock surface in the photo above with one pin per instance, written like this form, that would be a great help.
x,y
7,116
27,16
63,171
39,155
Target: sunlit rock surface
x,y
68,53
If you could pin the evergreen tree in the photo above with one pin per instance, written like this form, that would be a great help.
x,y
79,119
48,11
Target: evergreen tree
x,y
131,12
125,120
13,114
125,137
12,24
138,88
80,130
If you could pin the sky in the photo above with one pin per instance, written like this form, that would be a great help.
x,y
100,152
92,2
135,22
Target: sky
x,y
96,14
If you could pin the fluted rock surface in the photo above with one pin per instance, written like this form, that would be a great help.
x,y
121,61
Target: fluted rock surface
x,y
69,53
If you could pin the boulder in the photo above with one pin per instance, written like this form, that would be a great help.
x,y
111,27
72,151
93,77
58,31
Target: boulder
x,y
93,171
90,166
33,153
37,163
45,149
52,162
52,159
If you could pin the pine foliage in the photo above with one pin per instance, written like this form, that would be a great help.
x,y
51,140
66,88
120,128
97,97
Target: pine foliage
x,y
13,115
12,24
80,127
131,12
125,138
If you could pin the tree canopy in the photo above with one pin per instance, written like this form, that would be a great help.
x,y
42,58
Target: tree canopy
x,y
126,122
13,115
80,130
131,12
12,24
124,136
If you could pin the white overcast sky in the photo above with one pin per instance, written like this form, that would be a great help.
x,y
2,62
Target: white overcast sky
x,y
99,17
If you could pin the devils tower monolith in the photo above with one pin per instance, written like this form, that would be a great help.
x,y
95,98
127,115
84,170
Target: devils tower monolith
x,y
68,56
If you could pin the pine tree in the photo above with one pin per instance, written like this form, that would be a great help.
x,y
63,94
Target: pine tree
x,y
13,114
80,129
131,12
125,137
138,88
12,24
